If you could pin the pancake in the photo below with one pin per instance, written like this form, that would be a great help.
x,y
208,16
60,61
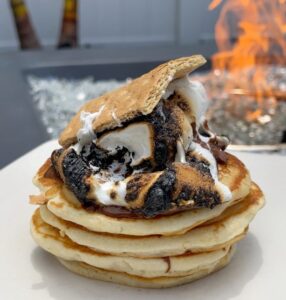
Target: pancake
x,y
230,227
50,239
141,282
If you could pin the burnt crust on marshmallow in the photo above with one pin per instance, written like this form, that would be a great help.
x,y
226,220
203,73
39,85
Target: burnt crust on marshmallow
x,y
177,188
75,171
166,120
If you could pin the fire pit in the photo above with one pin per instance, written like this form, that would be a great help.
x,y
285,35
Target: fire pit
x,y
247,84
246,117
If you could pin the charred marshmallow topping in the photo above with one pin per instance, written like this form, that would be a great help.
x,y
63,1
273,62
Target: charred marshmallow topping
x,y
138,160
193,93
195,96
137,138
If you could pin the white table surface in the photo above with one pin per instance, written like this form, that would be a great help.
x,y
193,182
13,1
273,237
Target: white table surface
x,y
256,272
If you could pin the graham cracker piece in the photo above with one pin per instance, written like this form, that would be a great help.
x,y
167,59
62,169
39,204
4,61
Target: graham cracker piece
x,y
139,97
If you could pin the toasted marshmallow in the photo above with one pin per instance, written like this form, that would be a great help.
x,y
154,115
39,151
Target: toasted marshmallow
x,y
194,95
206,154
138,187
137,138
108,192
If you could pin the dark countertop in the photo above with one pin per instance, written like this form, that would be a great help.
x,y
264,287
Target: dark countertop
x,y
20,127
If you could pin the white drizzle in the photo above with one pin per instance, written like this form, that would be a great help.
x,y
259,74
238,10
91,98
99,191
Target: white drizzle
x,y
86,134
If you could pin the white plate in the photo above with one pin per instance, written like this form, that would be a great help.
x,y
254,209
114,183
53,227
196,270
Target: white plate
x,y
256,272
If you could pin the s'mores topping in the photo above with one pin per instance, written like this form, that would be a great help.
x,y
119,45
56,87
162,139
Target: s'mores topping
x,y
146,147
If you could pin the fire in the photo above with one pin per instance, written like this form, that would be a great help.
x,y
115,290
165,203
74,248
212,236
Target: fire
x,y
250,34
261,29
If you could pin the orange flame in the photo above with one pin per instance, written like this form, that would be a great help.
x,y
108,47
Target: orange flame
x,y
214,4
258,29
249,35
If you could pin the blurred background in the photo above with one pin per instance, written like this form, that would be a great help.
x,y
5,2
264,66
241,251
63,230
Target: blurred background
x,y
114,22
57,54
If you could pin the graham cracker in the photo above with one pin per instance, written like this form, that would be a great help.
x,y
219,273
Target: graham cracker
x,y
139,97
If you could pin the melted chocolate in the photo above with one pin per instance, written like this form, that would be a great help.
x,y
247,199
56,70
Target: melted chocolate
x,y
217,144
220,156
168,262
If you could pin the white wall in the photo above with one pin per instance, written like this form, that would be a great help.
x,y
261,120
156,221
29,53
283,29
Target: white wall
x,y
109,22
196,21
125,21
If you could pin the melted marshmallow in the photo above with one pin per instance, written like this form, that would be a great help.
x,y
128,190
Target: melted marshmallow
x,y
103,191
208,156
86,134
137,138
194,93
180,155
111,180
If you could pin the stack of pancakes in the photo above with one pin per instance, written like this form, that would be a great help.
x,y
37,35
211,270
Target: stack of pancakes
x,y
169,247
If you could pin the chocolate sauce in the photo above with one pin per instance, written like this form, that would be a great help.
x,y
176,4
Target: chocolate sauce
x,y
217,144
220,156
167,260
